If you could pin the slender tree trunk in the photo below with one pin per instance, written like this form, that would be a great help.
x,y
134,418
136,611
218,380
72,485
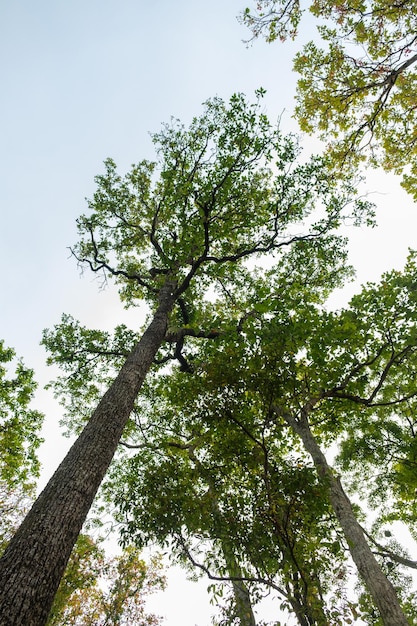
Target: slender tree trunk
x,y
378,585
33,564
243,602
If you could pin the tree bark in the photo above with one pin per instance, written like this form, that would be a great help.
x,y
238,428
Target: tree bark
x,y
32,565
378,585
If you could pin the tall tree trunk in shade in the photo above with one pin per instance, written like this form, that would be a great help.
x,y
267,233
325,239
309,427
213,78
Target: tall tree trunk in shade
x,y
33,563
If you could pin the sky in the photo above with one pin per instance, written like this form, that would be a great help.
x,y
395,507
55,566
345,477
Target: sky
x,y
83,80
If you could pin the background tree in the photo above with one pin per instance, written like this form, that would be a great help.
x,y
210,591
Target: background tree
x,y
96,589
358,88
20,439
19,424
169,233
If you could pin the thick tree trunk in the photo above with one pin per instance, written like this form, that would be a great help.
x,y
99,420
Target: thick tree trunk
x,y
33,564
378,585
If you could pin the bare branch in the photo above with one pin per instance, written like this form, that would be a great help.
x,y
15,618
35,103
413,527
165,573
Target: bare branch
x,y
387,553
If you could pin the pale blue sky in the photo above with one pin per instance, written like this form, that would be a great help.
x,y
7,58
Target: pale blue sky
x,y
86,79
82,80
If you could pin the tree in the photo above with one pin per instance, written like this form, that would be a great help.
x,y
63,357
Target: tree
x,y
229,503
373,374
385,436
169,232
358,89
19,440
19,424
291,372
96,589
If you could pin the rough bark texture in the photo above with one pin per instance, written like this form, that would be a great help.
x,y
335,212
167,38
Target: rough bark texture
x,y
33,564
378,585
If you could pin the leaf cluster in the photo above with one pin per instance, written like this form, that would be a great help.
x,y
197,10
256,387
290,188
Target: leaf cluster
x,y
225,189
357,86
19,424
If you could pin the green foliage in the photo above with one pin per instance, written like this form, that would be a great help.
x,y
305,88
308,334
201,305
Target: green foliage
x,y
214,468
98,356
382,433
357,87
222,490
19,424
225,190
218,477
96,589
218,468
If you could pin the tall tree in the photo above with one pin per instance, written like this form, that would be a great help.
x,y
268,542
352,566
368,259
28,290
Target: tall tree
x,y
222,191
385,436
376,373
358,88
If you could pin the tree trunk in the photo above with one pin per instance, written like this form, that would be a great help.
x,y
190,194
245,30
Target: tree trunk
x,y
32,566
378,585
243,602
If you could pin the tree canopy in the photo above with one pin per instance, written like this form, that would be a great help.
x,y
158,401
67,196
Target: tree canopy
x,y
228,190
226,193
357,81
98,589
213,464
220,468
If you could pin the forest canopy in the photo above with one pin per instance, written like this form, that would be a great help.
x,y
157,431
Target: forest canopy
x,y
238,427
223,458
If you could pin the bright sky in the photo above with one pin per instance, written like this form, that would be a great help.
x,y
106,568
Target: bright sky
x,y
83,80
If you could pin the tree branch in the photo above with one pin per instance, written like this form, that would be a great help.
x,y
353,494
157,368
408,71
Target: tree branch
x,y
387,553
248,579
